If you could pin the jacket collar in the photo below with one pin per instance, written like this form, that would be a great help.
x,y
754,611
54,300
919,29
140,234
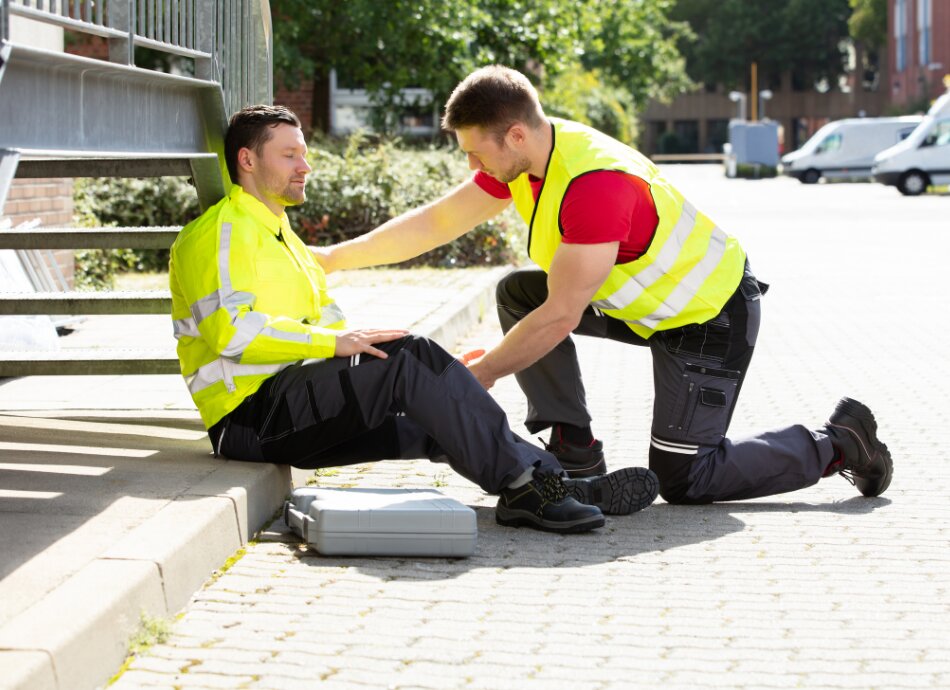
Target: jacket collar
x,y
263,215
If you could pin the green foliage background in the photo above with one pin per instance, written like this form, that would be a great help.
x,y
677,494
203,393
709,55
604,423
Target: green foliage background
x,y
355,186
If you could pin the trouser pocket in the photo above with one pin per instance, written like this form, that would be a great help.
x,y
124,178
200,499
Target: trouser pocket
x,y
705,398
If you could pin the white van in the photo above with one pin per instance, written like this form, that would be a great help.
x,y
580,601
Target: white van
x,y
846,148
922,159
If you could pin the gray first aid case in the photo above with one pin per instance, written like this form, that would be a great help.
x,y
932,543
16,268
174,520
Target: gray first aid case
x,y
381,522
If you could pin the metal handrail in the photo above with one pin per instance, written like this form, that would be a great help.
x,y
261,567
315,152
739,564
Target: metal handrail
x,y
229,40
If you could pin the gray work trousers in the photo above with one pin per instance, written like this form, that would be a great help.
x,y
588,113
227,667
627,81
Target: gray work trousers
x,y
697,375
420,402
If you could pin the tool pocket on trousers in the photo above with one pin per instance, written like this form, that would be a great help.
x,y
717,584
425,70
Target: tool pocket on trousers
x,y
704,401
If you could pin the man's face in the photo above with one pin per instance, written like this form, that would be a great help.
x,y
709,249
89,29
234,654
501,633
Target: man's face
x,y
280,171
485,153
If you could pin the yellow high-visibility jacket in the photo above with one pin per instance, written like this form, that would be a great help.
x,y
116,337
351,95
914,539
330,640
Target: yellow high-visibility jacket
x,y
248,299
689,271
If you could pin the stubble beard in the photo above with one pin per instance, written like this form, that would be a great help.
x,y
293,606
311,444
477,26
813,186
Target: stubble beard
x,y
520,166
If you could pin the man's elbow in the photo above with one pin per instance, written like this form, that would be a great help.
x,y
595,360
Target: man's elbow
x,y
566,324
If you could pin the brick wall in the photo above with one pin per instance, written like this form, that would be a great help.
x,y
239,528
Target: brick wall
x,y
300,100
51,202
917,82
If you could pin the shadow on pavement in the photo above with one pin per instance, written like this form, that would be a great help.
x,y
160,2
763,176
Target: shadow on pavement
x,y
660,528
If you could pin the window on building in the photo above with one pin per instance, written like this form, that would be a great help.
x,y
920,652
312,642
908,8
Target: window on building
x,y
687,131
900,35
924,21
717,134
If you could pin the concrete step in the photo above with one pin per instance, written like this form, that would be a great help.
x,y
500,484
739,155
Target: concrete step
x,y
147,302
160,237
88,361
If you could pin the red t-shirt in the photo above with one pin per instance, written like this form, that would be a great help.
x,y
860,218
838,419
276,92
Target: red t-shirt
x,y
602,206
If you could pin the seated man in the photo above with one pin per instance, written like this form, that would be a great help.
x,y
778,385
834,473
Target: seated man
x,y
277,377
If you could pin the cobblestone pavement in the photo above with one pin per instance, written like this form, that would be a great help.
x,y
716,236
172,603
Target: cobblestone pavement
x,y
819,588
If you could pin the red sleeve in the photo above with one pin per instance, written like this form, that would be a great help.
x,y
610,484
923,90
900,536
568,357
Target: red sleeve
x,y
489,184
610,206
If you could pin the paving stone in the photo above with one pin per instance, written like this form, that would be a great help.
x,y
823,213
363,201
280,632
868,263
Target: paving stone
x,y
819,588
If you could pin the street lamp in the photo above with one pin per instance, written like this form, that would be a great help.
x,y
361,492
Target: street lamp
x,y
764,95
740,98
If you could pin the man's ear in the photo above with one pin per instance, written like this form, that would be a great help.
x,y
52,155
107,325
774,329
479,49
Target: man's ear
x,y
245,159
516,135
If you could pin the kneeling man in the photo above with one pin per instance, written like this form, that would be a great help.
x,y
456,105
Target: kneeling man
x,y
277,377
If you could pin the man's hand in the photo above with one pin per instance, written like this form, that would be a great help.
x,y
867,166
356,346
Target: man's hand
x,y
350,343
577,272
482,375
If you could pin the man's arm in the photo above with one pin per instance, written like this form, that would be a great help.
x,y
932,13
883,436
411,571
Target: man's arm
x,y
415,232
577,272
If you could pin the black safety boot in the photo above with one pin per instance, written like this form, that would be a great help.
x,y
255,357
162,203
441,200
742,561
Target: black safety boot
x,y
864,460
621,492
577,461
543,503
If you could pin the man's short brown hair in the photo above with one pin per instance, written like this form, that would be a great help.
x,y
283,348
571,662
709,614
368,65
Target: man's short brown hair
x,y
250,128
493,98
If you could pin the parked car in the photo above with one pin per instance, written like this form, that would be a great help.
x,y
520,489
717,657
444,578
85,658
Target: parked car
x,y
922,159
845,149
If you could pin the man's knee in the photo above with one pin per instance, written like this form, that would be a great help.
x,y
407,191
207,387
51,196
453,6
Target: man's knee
x,y
427,351
522,290
672,469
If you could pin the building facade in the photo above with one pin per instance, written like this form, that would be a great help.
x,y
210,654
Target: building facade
x,y
918,50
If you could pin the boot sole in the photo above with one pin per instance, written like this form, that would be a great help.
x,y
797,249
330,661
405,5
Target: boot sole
x,y
519,518
858,413
621,492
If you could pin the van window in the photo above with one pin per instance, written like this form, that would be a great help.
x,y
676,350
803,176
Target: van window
x,y
831,143
904,133
939,136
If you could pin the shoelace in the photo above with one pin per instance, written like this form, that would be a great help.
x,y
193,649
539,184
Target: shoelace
x,y
848,475
551,487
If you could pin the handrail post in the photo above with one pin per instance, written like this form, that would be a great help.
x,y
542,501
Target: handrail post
x,y
4,23
122,17
205,13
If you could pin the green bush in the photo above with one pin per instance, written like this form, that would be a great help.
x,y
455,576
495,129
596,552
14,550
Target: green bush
x,y
128,203
353,190
579,95
755,171
355,186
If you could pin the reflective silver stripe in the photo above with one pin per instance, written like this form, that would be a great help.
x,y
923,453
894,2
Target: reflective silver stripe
x,y
225,295
631,290
186,327
224,258
688,287
225,370
246,330
231,301
330,315
673,447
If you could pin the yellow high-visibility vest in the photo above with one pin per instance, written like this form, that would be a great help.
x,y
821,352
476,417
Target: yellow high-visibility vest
x,y
689,271
248,299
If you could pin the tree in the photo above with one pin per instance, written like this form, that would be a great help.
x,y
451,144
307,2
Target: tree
x,y
385,47
803,36
868,22
634,44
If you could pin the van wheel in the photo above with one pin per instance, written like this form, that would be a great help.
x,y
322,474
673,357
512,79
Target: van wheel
x,y
913,183
811,176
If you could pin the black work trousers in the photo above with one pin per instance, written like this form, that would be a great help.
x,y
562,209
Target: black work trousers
x,y
697,375
420,402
